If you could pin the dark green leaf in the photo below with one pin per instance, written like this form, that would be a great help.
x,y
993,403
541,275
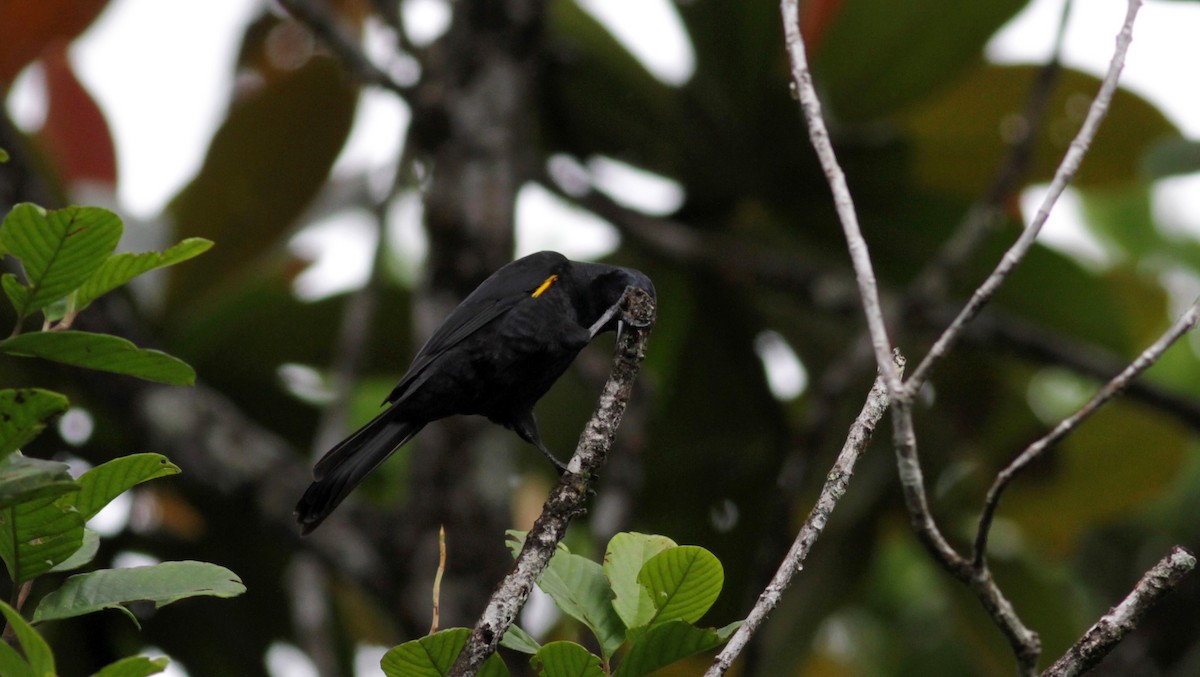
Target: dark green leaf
x,y
159,583
134,666
24,479
23,414
103,352
664,644
566,659
683,582
102,484
58,249
121,268
518,640
36,532
83,556
433,656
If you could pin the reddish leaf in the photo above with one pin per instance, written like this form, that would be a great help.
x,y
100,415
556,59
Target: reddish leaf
x,y
75,135
29,27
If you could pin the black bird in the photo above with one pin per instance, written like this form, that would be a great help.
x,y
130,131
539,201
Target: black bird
x,y
496,355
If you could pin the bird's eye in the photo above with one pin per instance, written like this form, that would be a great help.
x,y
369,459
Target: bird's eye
x,y
544,286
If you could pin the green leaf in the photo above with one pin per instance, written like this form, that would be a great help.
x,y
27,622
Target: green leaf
x,y
1171,157
37,652
3,155
23,414
17,294
100,485
518,640
83,556
121,268
567,659
24,479
12,664
626,554
102,352
433,656
134,666
682,582
58,249
578,587
666,643
162,584
36,535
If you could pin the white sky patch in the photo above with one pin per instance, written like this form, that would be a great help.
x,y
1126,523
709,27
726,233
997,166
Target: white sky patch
x,y
652,31
1160,61
375,138
407,239
425,20
366,659
27,102
76,426
1174,205
786,375
341,248
114,517
1065,230
161,73
128,559
635,187
285,660
546,221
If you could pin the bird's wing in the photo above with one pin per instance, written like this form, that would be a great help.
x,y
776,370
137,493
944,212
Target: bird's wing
x,y
498,294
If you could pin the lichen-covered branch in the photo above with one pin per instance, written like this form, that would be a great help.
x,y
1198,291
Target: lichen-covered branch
x,y
1113,626
567,499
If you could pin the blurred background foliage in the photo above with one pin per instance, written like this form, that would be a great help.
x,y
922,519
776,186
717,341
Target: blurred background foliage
x,y
750,266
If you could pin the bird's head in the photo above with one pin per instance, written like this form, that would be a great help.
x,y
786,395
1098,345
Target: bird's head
x,y
601,287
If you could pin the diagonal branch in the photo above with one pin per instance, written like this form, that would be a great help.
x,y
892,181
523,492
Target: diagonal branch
x,y
1113,626
1062,176
836,483
1183,325
567,500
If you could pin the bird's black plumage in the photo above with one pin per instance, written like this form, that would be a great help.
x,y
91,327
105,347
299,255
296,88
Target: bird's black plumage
x,y
495,355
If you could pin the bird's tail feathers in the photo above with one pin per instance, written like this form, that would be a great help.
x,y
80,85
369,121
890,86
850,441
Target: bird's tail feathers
x,y
345,466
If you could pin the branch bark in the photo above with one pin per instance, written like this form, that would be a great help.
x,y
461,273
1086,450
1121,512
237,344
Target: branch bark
x,y
1113,626
568,498
836,483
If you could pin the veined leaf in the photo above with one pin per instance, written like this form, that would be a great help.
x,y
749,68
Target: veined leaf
x,y
83,556
578,587
100,485
682,582
121,268
162,584
103,352
626,554
36,532
58,250
23,414
433,656
567,659
666,643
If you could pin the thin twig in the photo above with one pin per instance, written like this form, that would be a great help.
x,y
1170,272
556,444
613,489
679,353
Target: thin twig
x,y
1065,172
864,273
1149,356
1113,626
437,580
567,499
836,483
325,27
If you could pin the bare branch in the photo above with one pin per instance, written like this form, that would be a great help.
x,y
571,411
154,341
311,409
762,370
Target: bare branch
x,y
1113,626
861,258
567,500
1066,171
1184,324
836,483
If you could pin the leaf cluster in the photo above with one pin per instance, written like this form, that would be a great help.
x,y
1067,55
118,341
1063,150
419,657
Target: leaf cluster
x,y
68,261
641,603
